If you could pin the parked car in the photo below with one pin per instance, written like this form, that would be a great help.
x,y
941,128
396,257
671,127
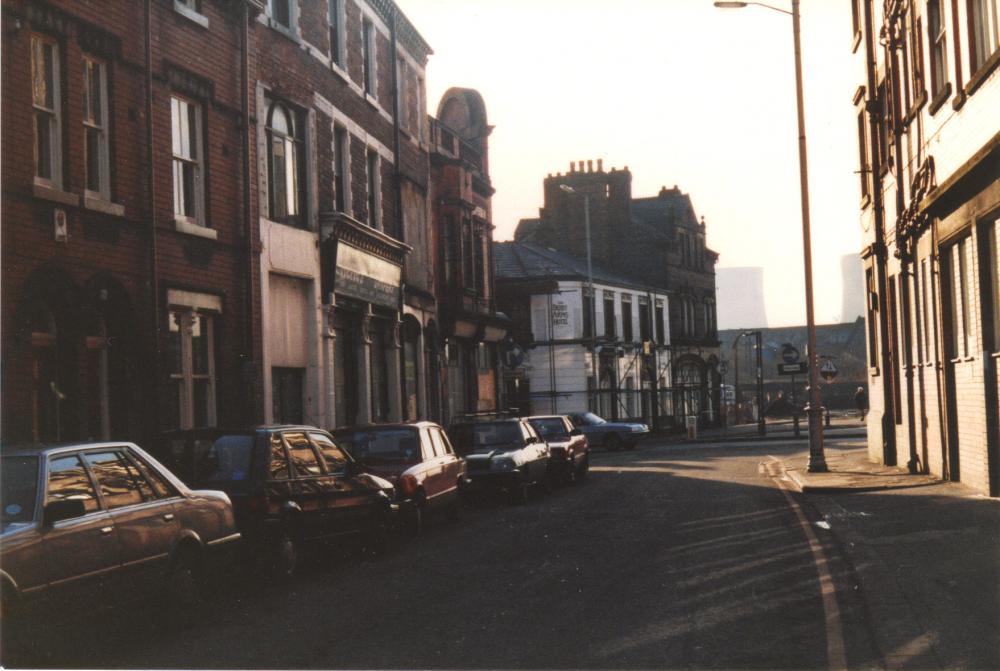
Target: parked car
x,y
570,450
290,485
502,455
610,435
417,459
89,521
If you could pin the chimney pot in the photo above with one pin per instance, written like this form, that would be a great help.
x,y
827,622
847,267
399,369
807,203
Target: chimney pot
x,y
572,166
600,165
590,166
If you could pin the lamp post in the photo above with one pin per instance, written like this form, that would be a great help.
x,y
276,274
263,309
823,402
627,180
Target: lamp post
x,y
817,459
588,305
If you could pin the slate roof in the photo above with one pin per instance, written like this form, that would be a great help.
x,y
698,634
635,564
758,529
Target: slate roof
x,y
519,261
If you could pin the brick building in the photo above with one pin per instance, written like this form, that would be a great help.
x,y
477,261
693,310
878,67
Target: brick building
x,y
929,149
657,242
462,223
346,273
127,232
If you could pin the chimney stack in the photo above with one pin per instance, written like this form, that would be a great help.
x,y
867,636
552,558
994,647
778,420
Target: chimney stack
x,y
600,165
590,166
572,167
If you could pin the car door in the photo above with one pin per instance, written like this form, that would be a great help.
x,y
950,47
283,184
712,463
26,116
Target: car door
x,y
435,464
453,467
145,522
312,489
537,452
81,554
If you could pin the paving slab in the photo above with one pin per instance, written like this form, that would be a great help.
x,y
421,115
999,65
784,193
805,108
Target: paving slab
x,y
852,471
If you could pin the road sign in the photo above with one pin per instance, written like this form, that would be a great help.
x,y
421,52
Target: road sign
x,y
828,370
789,354
800,368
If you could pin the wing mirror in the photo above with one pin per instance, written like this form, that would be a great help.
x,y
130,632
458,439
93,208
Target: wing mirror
x,y
62,509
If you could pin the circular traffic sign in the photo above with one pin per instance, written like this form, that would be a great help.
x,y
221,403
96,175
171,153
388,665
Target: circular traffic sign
x,y
789,354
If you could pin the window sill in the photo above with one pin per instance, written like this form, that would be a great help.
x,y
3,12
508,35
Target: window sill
x,y
984,71
939,99
918,104
866,200
283,30
340,71
191,14
103,206
959,100
873,372
856,42
371,100
55,194
189,227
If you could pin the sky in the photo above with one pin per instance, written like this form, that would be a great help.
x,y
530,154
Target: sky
x,y
682,93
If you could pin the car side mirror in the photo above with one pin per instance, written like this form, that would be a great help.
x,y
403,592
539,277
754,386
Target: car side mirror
x,y
62,509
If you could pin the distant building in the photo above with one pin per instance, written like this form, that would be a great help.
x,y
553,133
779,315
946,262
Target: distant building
x,y
852,288
741,298
928,91
544,292
654,242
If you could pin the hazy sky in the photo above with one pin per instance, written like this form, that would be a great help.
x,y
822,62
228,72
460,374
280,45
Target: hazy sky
x,y
680,92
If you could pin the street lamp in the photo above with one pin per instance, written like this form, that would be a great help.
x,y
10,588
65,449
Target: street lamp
x,y
817,460
589,306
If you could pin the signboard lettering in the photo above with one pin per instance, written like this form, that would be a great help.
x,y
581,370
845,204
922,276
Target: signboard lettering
x,y
366,277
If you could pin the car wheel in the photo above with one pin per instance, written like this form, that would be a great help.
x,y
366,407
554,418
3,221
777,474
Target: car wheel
x,y
519,494
285,555
581,473
415,521
184,582
612,442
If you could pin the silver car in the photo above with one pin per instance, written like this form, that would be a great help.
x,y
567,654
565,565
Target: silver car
x,y
95,520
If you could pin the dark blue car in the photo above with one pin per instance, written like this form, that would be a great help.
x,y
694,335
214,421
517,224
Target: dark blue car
x,y
610,435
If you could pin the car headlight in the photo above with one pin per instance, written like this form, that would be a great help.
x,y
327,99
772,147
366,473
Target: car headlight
x,y
639,428
502,465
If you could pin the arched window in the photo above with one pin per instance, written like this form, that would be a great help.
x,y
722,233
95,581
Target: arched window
x,y
285,165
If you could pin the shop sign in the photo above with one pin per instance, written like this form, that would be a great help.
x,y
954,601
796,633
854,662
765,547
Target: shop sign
x,y
366,277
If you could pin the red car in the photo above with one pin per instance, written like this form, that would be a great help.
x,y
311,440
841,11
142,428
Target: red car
x,y
417,458
570,452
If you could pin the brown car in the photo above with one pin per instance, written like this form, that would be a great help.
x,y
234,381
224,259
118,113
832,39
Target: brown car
x,y
97,519
570,451
417,458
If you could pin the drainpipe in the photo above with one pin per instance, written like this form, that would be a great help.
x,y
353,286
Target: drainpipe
x,y
397,173
888,421
154,278
249,378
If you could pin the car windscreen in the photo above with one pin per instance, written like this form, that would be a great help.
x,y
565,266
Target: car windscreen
x,y
384,444
549,427
478,437
19,490
592,419
223,459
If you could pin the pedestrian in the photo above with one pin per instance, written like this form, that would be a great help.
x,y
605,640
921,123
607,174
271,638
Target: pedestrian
x,y
861,401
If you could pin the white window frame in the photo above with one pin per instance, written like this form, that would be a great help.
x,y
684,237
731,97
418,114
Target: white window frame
x,y
198,162
369,52
937,42
292,29
419,130
297,142
372,157
54,113
402,108
342,171
190,9
338,15
104,161
206,306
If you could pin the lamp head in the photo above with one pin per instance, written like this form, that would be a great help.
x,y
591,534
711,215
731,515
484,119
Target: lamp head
x,y
730,5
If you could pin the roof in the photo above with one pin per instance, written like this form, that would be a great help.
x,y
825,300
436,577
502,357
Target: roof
x,y
516,261
393,425
27,449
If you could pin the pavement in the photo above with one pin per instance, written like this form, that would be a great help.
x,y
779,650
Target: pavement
x,y
841,426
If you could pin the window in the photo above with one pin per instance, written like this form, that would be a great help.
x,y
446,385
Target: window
x,y
984,34
419,104
925,303
374,190
194,5
120,482
962,299
68,480
402,95
191,9
338,41
368,47
303,460
286,395
188,161
334,457
872,308
855,17
936,37
342,169
285,165
468,255
989,265
277,468
917,57
644,331
627,317
192,372
47,104
661,336
588,313
280,12
884,125
863,168
479,251
95,128
609,314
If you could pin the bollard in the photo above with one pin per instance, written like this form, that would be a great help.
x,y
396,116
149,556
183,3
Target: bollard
x,y
795,423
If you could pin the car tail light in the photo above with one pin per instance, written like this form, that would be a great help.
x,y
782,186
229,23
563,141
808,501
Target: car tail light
x,y
408,484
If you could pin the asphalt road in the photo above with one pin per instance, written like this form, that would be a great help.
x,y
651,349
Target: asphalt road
x,y
666,557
